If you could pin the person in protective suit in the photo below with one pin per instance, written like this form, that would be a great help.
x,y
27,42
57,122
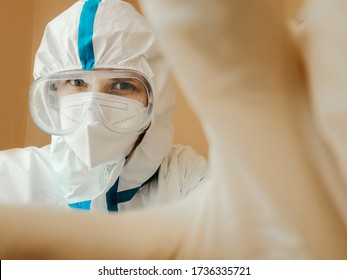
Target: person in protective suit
x,y
103,91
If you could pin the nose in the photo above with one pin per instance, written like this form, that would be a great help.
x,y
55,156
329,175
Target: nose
x,y
97,86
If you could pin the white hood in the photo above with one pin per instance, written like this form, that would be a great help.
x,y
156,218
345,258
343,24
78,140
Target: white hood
x,y
121,39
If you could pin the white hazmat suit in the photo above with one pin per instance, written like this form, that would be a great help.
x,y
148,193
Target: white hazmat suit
x,y
94,35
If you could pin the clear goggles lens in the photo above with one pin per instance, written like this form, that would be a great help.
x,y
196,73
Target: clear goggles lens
x,y
121,100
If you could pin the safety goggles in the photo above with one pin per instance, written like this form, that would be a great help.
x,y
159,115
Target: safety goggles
x,y
121,100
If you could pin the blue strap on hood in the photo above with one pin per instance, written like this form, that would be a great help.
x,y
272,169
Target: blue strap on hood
x,y
85,34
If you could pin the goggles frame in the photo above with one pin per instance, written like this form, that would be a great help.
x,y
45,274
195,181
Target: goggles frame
x,y
42,112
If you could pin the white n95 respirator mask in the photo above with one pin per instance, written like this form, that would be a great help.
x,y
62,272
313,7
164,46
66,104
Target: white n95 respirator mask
x,y
100,114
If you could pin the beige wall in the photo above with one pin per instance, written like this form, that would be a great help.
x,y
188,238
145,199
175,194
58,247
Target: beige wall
x,y
19,43
15,56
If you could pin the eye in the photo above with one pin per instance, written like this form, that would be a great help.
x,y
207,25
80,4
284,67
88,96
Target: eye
x,y
77,83
124,86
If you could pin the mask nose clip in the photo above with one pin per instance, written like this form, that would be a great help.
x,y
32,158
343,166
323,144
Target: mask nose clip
x,y
92,113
